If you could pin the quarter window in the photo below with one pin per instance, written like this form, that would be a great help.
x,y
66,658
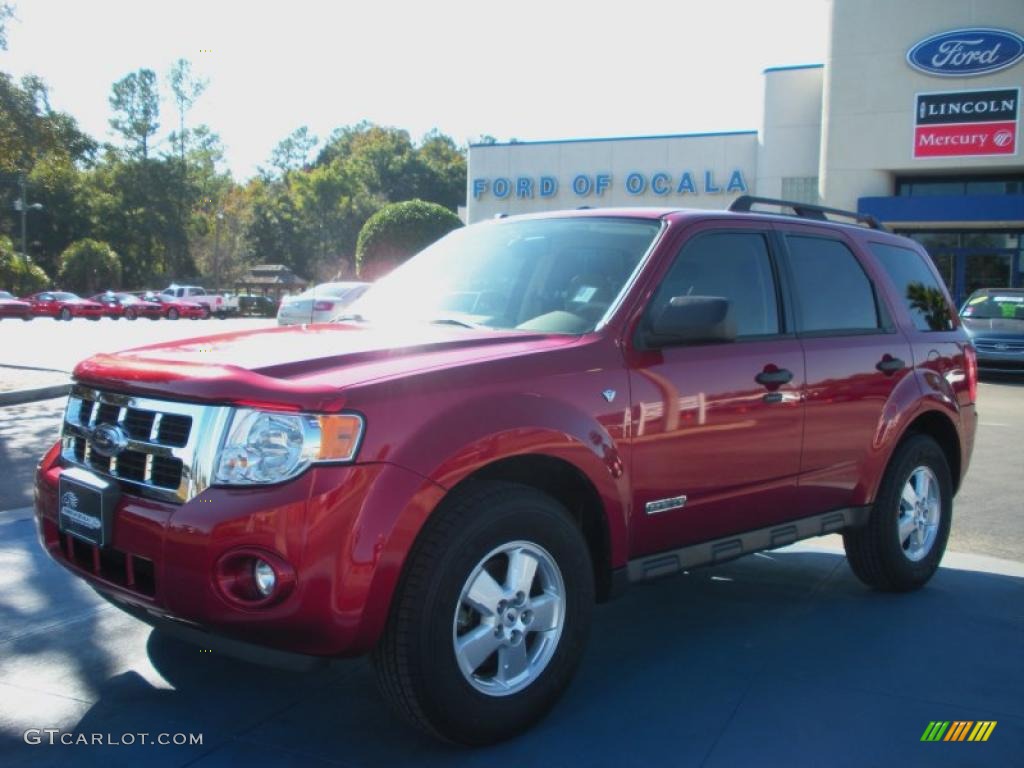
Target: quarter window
x,y
916,284
833,293
732,265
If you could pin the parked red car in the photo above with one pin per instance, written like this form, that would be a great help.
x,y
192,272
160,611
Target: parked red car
x,y
128,305
173,308
530,415
61,305
12,307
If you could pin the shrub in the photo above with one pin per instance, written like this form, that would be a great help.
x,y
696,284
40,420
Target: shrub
x,y
89,266
400,230
14,276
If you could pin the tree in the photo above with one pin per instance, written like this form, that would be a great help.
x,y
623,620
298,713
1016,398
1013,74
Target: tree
x,y
446,181
6,12
17,275
136,104
90,266
186,89
292,152
398,231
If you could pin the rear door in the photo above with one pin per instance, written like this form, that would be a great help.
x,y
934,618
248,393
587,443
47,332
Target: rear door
x,y
717,427
855,355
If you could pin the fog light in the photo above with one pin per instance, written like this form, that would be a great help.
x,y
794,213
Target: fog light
x,y
264,576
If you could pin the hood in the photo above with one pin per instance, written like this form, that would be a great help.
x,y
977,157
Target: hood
x,y
995,328
308,366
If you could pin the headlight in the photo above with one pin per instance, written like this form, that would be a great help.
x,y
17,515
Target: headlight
x,y
269,447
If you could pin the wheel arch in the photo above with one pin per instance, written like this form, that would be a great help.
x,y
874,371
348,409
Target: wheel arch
x,y
571,487
939,427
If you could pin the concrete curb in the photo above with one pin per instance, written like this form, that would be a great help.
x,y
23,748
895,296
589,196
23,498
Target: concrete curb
x,y
21,396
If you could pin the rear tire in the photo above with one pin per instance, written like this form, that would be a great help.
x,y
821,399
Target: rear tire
x,y
65,314
902,544
129,314
172,314
456,666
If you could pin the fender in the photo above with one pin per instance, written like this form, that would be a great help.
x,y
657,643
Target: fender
x,y
904,406
523,425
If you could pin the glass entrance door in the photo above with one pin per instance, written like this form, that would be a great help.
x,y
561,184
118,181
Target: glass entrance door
x,y
985,268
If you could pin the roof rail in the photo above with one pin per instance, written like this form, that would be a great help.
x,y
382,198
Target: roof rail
x,y
743,203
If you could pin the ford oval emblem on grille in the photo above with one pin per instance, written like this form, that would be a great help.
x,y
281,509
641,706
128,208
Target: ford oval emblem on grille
x,y
108,440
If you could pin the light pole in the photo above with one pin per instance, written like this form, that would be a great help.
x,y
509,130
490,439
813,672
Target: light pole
x,y
23,207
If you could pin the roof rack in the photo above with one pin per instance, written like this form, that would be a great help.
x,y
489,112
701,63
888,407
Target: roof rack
x,y
743,203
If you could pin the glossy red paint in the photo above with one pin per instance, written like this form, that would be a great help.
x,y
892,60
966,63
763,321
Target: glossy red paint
x,y
60,304
12,307
441,403
126,305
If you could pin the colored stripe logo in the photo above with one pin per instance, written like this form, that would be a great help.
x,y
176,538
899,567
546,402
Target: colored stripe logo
x,y
958,730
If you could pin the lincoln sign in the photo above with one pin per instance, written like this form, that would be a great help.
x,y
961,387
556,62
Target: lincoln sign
x,y
966,123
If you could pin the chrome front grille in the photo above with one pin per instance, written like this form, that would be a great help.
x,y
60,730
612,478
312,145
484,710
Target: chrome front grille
x,y
1012,346
163,449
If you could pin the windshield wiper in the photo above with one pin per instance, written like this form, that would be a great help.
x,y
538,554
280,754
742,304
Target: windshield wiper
x,y
456,321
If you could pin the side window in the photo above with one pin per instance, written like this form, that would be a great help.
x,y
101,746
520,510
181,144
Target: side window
x,y
916,284
735,266
833,294
46,297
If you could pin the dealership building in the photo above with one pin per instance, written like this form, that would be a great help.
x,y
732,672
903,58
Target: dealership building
x,y
914,117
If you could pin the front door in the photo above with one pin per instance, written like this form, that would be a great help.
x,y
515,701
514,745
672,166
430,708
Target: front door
x,y
717,428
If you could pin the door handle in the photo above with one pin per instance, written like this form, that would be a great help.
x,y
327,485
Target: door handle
x,y
774,378
890,365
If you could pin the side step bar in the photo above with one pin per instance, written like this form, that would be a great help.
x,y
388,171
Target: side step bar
x,y
721,550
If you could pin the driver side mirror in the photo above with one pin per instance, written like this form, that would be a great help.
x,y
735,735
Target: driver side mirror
x,y
691,320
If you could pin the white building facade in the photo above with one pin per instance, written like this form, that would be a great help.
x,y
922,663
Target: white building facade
x,y
914,117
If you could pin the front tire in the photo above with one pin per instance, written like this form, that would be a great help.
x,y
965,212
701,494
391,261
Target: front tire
x,y
902,544
172,314
491,616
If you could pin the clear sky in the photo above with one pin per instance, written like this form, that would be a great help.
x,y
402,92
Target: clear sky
x,y
528,69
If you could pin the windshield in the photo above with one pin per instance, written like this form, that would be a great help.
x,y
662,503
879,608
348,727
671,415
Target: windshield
x,y
548,275
64,296
996,306
5,295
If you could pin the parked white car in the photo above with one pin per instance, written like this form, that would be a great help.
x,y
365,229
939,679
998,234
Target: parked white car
x,y
319,304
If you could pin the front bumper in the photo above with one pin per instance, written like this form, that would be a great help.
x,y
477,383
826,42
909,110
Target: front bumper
x,y
334,525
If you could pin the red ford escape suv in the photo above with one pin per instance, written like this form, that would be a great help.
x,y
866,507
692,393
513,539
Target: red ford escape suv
x,y
528,416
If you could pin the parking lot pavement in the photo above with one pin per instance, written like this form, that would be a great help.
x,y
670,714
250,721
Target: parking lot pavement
x,y
779,659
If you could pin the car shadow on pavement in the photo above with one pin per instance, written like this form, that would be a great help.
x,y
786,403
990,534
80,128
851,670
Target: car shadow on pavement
x,y
782,658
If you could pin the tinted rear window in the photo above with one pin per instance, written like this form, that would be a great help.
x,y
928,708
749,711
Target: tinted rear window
x,y
916,285
833,293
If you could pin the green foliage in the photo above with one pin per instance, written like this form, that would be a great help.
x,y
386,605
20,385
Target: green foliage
x,y
15,275
89,266
6,12
135,101
175,214
400,230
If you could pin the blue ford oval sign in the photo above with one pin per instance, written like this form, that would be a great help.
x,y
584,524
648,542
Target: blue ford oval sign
x,y
967,52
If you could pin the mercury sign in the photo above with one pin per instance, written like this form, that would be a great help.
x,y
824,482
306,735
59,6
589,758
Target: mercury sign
x,y
636,183
967,52
966,123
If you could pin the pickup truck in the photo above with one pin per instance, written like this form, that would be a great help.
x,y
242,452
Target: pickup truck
x,y
528,417
219,305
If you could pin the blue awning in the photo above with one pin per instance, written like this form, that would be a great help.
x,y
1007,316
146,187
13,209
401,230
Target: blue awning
x,y
946,208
